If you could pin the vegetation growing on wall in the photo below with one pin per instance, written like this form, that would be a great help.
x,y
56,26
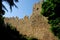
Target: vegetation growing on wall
x,y
51,9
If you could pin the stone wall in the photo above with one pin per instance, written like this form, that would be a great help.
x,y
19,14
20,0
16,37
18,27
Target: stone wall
x,y
35,26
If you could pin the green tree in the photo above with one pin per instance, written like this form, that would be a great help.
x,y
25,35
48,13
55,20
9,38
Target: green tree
x,y
51,9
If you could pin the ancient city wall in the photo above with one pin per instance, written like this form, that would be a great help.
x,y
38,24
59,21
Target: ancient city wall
x,y
36,26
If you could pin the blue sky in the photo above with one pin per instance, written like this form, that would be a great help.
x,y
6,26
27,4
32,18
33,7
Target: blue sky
x,y
25,7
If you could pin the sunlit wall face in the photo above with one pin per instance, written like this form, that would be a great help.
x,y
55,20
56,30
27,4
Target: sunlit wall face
x,y
25,7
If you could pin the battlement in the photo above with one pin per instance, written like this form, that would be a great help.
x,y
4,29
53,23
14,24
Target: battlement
x,y
26,18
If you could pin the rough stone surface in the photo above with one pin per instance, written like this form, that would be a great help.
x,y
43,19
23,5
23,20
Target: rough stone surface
x,y
35,26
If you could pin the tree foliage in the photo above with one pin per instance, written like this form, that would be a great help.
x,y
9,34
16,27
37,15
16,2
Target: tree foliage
x,y
10,3
6,33
51,9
